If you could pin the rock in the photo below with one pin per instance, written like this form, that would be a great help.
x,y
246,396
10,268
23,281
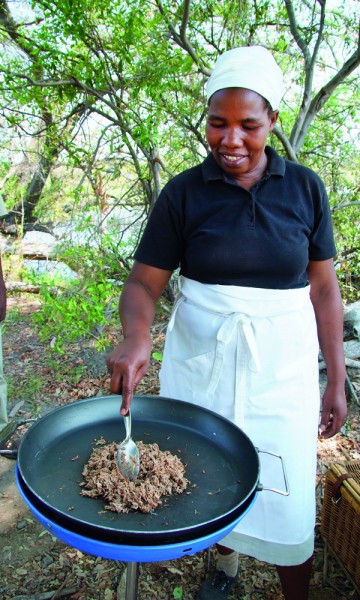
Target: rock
x,y
38,243
352,349
352,319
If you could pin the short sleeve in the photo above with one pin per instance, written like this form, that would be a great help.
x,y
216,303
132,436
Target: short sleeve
x,y
321,242
161,244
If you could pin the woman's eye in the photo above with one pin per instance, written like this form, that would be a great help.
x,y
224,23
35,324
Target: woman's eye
x,y
216,125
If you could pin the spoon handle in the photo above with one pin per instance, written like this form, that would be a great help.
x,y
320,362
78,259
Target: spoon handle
x,y
127,421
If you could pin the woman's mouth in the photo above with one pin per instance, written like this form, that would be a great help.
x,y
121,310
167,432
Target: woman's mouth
x,y
233,159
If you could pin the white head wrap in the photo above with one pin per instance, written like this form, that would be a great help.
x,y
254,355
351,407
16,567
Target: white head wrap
x,y
250,67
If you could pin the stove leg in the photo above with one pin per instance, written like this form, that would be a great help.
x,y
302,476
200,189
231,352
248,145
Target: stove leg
x,y
132,578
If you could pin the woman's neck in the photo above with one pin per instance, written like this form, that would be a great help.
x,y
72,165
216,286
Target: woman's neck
x,y
248,180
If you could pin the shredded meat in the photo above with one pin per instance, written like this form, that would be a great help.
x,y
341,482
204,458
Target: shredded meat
x,y
161,474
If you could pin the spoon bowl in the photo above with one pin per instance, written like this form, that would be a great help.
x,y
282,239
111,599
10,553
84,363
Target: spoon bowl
x,y
127,454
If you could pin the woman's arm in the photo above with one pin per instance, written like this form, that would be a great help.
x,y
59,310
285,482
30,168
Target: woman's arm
x,y
326,299
130,360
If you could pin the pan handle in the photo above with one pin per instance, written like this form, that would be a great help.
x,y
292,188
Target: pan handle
x,y
261,488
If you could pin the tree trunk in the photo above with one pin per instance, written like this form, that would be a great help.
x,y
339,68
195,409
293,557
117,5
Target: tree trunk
x,y
37,184
18,287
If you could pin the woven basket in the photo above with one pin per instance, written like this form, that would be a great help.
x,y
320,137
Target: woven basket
x,y
340,517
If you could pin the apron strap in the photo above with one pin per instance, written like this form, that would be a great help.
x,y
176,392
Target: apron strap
x,y
247,351
177,303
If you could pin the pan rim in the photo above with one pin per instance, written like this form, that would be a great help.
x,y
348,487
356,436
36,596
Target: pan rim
x,y
152,533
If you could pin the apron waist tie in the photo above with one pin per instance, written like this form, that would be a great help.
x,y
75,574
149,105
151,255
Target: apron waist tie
x,y
248,351
247,356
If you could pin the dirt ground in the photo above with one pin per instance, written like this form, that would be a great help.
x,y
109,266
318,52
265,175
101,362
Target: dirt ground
x,y
37,566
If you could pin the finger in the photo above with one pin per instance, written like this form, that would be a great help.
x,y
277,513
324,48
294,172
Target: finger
x,y
329,432
110,365
129,385
333,427
116,383
127,394
324,422
140,374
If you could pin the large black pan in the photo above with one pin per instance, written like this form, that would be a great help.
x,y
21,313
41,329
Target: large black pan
x,y
221,464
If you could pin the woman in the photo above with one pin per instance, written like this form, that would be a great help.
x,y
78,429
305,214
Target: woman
x,y
253,237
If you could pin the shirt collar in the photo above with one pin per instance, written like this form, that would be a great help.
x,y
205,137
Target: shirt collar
x,y
211,170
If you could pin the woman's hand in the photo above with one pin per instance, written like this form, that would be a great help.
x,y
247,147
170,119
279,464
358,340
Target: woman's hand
x,y
333,411
127,364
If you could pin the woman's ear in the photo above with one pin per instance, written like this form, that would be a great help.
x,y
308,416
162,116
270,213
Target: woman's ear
x,y
273,119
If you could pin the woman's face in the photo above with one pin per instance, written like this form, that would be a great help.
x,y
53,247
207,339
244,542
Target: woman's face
x,y
237,127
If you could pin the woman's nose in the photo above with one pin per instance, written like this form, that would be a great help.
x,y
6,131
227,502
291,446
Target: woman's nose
x,y
233,137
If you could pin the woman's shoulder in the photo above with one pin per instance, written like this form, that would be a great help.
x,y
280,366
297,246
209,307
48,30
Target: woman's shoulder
x,y
303,170
294,172
184,178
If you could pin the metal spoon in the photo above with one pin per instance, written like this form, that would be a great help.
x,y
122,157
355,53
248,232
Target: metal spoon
x,y
127,454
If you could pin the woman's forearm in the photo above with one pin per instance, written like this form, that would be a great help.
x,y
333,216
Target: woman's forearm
x,y
139,298
326,299
136,310
329,319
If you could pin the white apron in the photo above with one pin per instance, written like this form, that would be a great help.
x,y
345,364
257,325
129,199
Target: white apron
x,y
251,355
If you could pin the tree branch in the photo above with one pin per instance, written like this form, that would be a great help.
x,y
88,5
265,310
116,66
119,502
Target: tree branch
x,y
295,30
280,134
310,61
324,94
10,26
346,205
181,38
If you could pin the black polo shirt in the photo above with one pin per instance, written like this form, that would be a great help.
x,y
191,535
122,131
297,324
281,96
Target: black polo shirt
x,y
218,232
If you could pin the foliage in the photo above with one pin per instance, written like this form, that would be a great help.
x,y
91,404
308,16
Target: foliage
x,y
14,191
140,68
113,95
178,593
76,312
346,223
86,305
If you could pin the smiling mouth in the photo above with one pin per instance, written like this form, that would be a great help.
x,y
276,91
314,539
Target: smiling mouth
x,y
231,158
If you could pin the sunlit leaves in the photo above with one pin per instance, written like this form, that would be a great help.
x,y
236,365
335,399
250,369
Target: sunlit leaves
x,y
131,73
